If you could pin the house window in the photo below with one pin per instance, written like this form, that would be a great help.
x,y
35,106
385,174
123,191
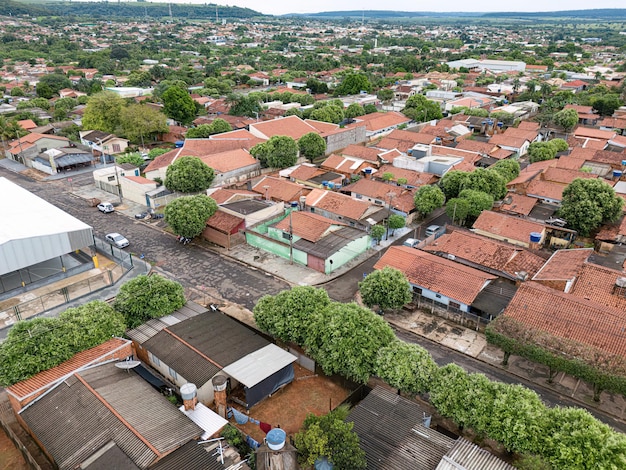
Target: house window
x,y
438,296
286,235
154,359
417,290
455,305
117,148
312,209
358,196
110,178
173,373
376,201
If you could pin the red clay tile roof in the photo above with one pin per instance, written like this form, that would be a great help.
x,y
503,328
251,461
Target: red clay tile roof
x,y
501,154
440,275
545,189
224,162
567,316
47,377
614,122
369,154
140,179
379,121
323,127
564,176
528,125
476,146
402,198
306,172
337,203
224,221
519,204
593,133
291,126
280,189
508,141
223,196
311,227
570,163
564,265
521,133
414,178
507,226
487,252
345,164
597,283
612,158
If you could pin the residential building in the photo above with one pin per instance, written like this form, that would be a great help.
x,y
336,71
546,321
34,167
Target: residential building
x,y
510,229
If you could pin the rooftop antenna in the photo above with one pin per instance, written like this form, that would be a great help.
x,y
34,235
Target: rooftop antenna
x,y
170,6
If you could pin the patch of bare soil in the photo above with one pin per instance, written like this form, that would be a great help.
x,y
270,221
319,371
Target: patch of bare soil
x,y
34,174
10,457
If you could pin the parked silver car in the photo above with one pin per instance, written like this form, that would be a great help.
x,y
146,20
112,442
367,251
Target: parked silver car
x,y
106,207
116,239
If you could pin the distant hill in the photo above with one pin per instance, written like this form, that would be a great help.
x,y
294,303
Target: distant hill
x,y
603,13
607,13
117,10
11,8
380,14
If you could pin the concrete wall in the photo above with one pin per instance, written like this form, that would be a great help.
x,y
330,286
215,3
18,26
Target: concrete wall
x,y
348,253
340,140
442,299
236,176
275,247
136,192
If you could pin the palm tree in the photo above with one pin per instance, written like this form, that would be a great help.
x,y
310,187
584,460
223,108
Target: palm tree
x,y
516,84
10,129
545,89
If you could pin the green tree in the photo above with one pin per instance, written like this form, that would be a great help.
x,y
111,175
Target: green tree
x,y
607,104
332,437
377,232
385,94
405,366
477,201
287,315
428,198
132,158
203,131
457,209
370,108
187,215
487,181
35,345
219,126
567,119
153,153
587,202
345,338
282,151
55,82
503,116
541,151
103,112
508,169
559,145
139,122
452,183
178,105
354,110
330,113
312,146
420,109
241,105
188,175
448,388
395,222
353,84
146,297
388,288
261,152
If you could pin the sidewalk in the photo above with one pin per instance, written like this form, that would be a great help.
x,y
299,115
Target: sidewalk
x,y
474,344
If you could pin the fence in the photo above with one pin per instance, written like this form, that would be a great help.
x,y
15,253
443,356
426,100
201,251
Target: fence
x,y
454,314
64,295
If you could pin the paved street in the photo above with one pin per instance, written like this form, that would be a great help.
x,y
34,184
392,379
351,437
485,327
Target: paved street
x,y
193,266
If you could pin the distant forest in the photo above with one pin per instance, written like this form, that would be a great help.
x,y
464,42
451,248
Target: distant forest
x,y
607,13
115,9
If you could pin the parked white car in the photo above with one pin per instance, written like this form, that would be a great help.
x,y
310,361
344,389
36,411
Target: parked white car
x,y
116,239
106,207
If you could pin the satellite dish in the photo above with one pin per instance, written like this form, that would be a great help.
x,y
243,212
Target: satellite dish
x,y
127,364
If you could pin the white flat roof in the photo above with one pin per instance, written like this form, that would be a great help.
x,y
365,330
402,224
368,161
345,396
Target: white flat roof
x,y
33,230
259,365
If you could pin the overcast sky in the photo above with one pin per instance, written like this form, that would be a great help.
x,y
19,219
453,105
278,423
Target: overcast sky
x,y
279,7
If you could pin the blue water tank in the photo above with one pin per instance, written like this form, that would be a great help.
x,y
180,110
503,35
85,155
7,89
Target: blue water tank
x,y
623,162
179,143
276,439
617,173
368,171
325,183
535,237
331,185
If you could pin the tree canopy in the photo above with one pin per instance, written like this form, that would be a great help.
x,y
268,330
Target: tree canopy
x,y
406,366
35,345
566,118
187,215
141,123
421,109
452,183
178,105
188,175
508,169
588,202
428,198
330,436
103,112
280,151
388,288
312,146
146,297
353,84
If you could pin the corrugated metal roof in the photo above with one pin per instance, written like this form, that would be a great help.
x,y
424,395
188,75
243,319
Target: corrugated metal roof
x,y
191,456
71,422
181,358
468,456
259,365
144,332
209,421
149,413
392,435
108,457
331,243
219,337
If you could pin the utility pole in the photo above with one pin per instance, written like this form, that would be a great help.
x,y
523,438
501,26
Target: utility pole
x,y
391,195
293,205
